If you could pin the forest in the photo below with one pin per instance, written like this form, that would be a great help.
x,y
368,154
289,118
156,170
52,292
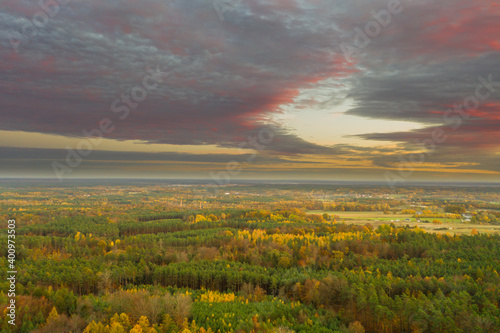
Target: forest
x,y
145,257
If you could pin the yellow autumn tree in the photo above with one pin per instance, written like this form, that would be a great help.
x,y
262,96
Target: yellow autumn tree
x,y
144,325
123,320
53,315
136,329
94,327
116,328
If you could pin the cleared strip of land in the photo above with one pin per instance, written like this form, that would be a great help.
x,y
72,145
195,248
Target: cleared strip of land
x,y
451,226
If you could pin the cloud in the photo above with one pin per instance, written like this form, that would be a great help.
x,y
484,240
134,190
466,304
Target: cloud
x,y
228,78
428,60
10,153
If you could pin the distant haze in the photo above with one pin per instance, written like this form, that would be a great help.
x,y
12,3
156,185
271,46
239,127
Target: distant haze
x,y
272,90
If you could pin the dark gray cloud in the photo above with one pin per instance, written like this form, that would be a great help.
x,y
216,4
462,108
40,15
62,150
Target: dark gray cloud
x,y
18,154
226,78
423,94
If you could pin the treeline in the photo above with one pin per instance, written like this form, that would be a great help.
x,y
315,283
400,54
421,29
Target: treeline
x,y
372,276
354,206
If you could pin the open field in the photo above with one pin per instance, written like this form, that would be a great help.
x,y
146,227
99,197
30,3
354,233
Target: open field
x,y
451,226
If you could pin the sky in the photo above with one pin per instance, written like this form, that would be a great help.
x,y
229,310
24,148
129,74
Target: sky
x,y
277,89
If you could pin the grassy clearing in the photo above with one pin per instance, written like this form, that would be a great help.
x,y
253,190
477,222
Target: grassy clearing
x,y
451,226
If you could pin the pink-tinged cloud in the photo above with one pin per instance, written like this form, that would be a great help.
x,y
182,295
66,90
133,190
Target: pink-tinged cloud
x,y
228,77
